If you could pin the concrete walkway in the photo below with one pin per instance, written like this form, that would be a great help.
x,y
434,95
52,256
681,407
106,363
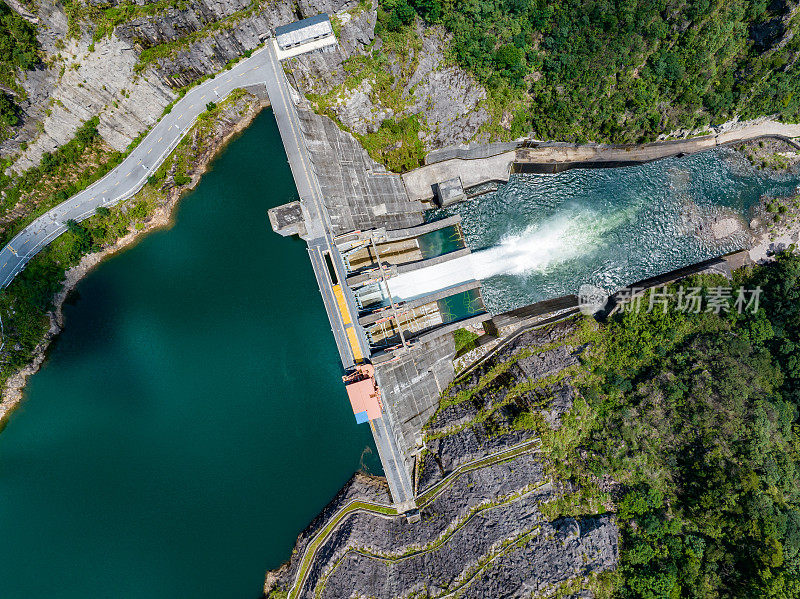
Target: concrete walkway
x,y
473,171
320,243
556,156
129,177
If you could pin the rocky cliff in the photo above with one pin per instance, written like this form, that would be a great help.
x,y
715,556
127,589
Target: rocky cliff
x,y
367,80
73,84
126,67
484,490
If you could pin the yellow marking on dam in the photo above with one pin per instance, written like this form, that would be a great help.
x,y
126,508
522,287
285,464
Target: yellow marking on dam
x,y
348,323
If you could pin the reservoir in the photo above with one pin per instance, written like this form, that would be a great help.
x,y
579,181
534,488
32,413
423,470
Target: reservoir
x,y
190,421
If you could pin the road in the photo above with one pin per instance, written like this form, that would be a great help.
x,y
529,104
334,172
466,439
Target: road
x,y
320,241
129,177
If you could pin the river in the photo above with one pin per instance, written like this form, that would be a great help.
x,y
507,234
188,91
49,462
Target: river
x,y
190,420
542,236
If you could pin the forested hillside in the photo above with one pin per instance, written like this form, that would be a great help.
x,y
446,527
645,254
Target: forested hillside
x,y
695,418
625,70
18,50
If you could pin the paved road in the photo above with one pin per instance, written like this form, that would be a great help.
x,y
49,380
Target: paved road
x,y
320,240
125,180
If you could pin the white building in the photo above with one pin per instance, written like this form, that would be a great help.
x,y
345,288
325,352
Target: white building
x,y
307,31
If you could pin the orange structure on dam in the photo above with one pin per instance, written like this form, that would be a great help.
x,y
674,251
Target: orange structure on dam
x,y
362,389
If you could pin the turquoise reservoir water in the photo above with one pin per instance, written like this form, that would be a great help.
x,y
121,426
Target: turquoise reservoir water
x,y
190,421
542,236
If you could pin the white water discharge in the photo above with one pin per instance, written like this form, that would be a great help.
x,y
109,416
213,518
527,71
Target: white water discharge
x,y
540,246
620,226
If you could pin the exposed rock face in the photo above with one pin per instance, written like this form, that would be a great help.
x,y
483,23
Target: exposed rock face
x,y
76,82
81,85
484,535
484,423
448,97
222,31
448,101
772,154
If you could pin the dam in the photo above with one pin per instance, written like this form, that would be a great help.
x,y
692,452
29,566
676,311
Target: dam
x,y
362,230
398,278
395,283
167,478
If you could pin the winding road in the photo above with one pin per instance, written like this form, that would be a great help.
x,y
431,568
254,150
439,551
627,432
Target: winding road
x,y
129,177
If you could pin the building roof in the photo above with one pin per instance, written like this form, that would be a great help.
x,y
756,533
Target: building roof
x,y
450,191
364,399
304,30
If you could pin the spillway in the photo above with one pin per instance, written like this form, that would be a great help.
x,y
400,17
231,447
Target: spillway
x,y
543,236
558,239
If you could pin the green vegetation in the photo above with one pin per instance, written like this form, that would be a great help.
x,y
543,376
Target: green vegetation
x,y
104,17
695,416
60,175
18,46
168,49
465,340
620,71
107,18
18,50
25,302
396,144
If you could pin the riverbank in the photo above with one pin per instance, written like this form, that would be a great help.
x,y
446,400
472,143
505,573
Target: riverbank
x,y
775,225
553,157
188,162
777,229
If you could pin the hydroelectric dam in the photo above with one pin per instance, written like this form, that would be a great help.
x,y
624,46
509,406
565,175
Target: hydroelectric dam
x,y
363,232
396,284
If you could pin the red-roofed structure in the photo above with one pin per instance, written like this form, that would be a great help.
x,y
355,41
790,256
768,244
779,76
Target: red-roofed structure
x,y
365,397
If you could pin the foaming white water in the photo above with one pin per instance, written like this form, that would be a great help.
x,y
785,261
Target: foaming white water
x,y
540,246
